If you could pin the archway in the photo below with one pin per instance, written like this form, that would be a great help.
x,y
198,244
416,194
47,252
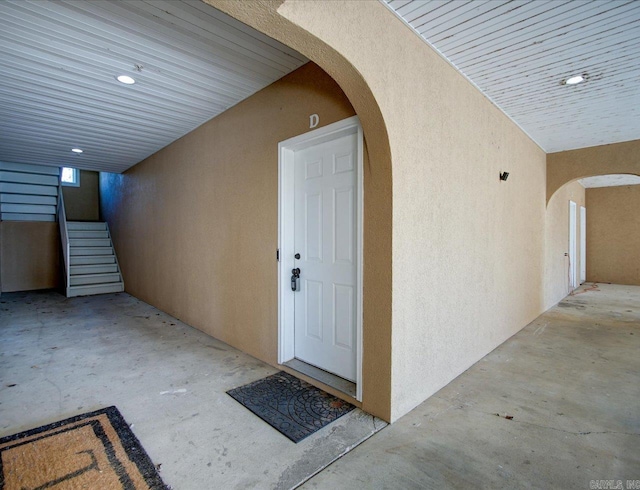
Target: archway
x,y
270,19
567,166
566,259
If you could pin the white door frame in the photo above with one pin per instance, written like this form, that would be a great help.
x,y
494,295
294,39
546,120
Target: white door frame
x,y
286,188
573,246
583,244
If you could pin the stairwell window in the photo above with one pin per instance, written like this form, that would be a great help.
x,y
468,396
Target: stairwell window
x,y
70,176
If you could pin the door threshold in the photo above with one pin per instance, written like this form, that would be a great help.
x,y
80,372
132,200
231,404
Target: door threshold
x,y
330,379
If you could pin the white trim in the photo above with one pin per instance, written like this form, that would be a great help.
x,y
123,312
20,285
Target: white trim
x,y
286,186
573,246
583,244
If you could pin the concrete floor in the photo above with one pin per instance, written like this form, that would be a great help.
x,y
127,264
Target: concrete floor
x,y
70,356
570,380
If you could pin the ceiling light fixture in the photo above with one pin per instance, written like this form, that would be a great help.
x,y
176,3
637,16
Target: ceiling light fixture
x,y
126,79
573,80
76,150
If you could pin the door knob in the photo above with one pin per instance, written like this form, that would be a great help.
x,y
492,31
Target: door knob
x,y
297,256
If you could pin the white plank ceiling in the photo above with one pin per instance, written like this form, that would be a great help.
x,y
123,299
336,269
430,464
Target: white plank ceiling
x,y
517,52
612,180
59,60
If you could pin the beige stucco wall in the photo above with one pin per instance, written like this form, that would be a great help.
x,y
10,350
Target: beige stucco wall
x,y
82,203
29,256
563,170
613,234
195,225
557,241
566,166
467,248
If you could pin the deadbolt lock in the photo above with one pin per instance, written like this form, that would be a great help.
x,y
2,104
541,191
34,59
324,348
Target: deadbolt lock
x,y
295,275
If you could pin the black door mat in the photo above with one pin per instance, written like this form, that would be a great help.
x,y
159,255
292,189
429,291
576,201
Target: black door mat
x,y
290,405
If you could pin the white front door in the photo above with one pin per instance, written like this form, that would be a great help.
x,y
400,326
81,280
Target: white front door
x,y
573,251
583,244
325,251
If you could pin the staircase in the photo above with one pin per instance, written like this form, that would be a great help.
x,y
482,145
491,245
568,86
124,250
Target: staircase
x,y
92,265
28,192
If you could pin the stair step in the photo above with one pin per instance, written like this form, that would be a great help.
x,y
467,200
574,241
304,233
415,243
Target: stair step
x,y
75,270
92,259
27,217
86,279
91,251
90,242
88,234
93,268
114,287
86,225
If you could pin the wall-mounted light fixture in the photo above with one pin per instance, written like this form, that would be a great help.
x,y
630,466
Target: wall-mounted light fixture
x,y
504,175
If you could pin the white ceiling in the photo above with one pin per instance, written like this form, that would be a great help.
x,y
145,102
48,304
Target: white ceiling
x,y
610,180
59,59
517,53
58,62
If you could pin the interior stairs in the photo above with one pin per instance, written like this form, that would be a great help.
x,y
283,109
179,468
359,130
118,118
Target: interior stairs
x,y
93,266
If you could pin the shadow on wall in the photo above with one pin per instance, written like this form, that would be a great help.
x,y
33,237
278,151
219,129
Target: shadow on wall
x,y
82,203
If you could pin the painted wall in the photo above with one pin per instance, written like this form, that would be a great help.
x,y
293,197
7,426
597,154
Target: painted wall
x,y
566,166
29,256
613,234
557,241
83,203
195,225
468,250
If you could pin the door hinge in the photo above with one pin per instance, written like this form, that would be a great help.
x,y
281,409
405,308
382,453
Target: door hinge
x,y
278,254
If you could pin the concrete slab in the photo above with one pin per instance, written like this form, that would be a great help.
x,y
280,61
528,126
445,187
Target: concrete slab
x,y
61,357
556,406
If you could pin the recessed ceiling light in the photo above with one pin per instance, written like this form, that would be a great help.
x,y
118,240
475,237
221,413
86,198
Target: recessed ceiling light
x,y
76,150
574,80
126,79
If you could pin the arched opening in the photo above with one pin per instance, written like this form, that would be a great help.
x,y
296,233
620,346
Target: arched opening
x,y
268,17
567,166
591,233
600,179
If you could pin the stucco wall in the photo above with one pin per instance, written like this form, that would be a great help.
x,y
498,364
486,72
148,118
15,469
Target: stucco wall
x,y
557,241
567,166
613,234
29,256
467,248
195,226
82,203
